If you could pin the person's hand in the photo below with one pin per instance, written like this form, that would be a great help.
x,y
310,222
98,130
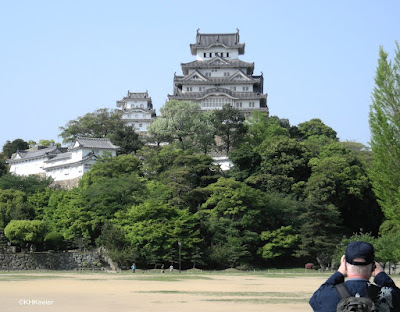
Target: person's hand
x,y
376,269
342,268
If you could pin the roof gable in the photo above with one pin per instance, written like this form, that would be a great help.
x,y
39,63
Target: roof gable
x,y
97,143
239,76
226,40
218,61
195,76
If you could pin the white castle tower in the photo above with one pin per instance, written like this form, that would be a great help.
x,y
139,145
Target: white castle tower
x,y
218,77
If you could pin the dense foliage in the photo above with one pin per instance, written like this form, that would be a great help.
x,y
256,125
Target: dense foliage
x,y
295,194
292,194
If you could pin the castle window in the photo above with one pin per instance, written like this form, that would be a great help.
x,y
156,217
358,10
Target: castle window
x,y
205,54
245,88
227,74
210,54
188,88
251,104
227,54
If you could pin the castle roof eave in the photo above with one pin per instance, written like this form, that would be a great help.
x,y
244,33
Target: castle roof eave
x,y
226,40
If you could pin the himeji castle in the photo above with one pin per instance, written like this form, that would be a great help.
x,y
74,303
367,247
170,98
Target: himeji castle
x,y
218,77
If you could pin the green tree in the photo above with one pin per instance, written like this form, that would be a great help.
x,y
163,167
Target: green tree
x,y
262,127
21,232
27,184
127,139
315,127
229,126
318,232
3,164
110,167
154,228
176,122
384,120
279,242
239,212
204,132
14,206
339,177
99,124
10,148
47,143
67,214
284,163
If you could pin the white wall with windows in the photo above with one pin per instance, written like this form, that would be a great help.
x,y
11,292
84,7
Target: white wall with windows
x,y
28,167
205,54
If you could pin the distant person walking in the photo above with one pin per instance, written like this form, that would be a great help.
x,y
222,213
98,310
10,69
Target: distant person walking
x,y
133,268
171,269
162,268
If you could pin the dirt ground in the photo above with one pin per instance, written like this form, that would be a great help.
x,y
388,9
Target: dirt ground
x,y
142,292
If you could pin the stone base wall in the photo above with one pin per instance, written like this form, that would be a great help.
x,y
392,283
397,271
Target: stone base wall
x,y
65,184
51,261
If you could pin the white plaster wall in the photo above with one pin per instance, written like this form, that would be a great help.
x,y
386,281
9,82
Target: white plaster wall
x,y
136,104
27,167
233,53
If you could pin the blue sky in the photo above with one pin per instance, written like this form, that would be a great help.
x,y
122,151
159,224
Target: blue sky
x,y
62,59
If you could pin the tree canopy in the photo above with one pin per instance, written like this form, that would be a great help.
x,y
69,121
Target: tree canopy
x,y
384,119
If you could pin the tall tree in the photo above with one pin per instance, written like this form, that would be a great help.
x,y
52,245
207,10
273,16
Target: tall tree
x,y
230,126
315,127
3,165
319,232
176,122
284,163
11,147
384,120
339,177
127,139
99,124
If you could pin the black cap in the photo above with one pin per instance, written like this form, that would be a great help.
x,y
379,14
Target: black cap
x,y
361,250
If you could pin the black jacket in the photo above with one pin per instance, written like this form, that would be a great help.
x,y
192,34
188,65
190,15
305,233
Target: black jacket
x,y
326,298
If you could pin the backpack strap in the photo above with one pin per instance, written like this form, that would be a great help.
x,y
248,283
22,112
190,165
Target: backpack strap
x,y
372,291
342,291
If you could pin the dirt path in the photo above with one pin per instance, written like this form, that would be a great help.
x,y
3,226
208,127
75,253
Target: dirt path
x,y
66,292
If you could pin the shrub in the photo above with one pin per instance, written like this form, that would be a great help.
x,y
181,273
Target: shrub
x,y
21,232
54,241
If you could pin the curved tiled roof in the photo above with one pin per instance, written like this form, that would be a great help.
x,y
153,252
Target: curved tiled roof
x,y
48,152
236,63
61,156
227,40
136,96
87,157
211,80
95,143
222,91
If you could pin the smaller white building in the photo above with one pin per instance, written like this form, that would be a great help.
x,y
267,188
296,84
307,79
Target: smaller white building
x,y
62,164
31,161
137,110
